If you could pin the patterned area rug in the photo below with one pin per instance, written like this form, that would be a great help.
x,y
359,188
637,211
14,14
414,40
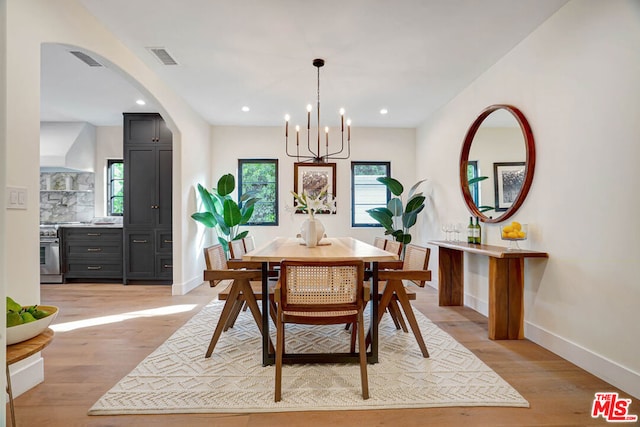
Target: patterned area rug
x,y
176,377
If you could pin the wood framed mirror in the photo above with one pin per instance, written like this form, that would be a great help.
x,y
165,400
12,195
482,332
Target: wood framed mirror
x,y
497,162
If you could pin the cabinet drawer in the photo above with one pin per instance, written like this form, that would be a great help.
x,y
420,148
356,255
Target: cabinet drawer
x,y
97,270
90,234
164,266
90,251
164,241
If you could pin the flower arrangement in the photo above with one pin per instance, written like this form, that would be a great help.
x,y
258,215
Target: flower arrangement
x,y
321,202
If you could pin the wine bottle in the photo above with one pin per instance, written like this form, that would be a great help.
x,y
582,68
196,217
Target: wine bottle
x,y
478,233
471,231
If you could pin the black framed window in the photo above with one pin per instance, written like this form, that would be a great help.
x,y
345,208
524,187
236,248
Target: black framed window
x,y
115,187
261,176
474,189
367,192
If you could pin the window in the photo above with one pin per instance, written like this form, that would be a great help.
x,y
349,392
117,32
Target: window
x,y
472,172
261,176
366,192
115,187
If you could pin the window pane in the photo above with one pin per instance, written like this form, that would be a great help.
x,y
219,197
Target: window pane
x,y
367,192
261,177
115,187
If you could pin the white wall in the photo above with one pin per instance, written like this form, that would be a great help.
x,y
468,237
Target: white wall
x,y
374,144
576,80
29,24
108,147
3,166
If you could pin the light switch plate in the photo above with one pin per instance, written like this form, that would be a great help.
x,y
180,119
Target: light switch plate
x,y
16,198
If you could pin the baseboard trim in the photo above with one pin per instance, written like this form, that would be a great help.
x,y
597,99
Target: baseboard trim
x,y
26,374
603,368
186,287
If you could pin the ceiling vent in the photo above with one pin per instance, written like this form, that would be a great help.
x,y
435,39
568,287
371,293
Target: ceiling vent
x,y
162,55
85,58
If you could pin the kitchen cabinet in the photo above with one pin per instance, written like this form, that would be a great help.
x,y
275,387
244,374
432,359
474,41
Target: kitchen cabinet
x,y
93,253
148,158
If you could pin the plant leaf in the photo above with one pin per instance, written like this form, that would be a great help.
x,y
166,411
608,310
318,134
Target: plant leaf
x,y
383,216
232,214
246,214
242,235
395,206
226,184
205,218
392,184
415,203
207,198
415,187
477,179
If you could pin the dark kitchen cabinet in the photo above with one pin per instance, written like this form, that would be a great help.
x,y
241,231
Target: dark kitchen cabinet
x,y
148,159
92,253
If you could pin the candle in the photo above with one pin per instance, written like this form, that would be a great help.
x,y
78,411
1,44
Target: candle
x,y
326,133
342,119
297,135
286,126
309,116
349,130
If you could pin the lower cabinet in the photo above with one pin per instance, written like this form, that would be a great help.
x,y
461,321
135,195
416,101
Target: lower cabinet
x,y
148,256
92,253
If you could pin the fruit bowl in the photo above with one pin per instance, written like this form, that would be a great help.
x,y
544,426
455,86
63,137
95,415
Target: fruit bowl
x,y
26,331
513,233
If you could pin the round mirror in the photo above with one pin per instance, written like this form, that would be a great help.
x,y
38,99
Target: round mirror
x,y
496,163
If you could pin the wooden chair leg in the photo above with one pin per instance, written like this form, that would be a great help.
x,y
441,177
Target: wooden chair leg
x,y
354,334
363,357
383,303
411,318
279,352
399,319
235,312
393,313
224,316
252,303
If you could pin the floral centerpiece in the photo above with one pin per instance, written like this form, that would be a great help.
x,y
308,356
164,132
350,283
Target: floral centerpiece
x,y
312,230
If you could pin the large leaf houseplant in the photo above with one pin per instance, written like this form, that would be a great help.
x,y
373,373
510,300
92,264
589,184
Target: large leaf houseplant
x,y
223,213
399,216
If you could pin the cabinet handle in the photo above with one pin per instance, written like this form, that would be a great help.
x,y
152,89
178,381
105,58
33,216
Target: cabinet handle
x,y
94,234
94,249
154,206
167,266
168,241
94,268
139,241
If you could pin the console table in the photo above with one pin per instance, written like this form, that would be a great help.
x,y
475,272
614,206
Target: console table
x,y
506,283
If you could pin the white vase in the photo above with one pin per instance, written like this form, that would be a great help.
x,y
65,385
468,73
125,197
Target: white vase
x,y
312,232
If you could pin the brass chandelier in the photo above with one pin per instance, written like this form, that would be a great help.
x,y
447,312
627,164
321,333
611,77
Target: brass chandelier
x,y
314,154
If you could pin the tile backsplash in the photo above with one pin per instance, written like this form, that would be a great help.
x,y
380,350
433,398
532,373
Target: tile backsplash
x,y
67,196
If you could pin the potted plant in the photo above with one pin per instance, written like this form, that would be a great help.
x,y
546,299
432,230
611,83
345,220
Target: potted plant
x,y
223,213
398,217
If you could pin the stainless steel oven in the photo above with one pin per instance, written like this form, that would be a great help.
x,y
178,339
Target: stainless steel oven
x,y
50,271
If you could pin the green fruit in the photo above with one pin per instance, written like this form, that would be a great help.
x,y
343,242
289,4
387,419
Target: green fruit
x,y
39,314
14,319
28,317
13,306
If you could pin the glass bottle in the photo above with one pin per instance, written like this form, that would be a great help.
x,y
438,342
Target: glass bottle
x,y
478,233
471,231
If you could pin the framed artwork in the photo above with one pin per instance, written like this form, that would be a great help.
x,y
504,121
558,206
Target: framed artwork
x,y
313,177
508,178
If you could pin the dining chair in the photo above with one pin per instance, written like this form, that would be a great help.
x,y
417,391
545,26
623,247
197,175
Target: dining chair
x,y
393,246
249,244
413,268
236,249
243,285
321,293
379,242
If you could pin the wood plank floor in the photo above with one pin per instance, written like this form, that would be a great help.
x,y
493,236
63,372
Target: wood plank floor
x,y
83,363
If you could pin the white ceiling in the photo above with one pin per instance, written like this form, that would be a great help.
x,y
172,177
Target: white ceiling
x,y
408,56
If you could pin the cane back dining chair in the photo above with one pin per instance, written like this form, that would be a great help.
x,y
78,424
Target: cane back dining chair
x,y
321,293
242,283
392,290
379,242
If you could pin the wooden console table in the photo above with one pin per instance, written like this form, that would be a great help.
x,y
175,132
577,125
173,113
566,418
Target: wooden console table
x,y
506,283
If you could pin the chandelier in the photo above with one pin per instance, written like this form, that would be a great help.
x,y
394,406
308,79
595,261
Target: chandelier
x,y
314,154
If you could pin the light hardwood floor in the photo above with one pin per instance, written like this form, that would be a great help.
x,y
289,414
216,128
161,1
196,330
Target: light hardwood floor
x,y
82,364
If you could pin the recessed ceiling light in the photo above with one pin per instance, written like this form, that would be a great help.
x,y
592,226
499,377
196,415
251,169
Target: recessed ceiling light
x,y
245,109
140,102
384,111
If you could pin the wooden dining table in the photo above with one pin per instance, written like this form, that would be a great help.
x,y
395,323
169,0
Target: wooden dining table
x,y
329,249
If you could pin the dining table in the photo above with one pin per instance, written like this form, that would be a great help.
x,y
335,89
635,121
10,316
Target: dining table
x,y
328,249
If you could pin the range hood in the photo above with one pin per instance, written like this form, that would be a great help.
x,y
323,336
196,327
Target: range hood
x,y
67,147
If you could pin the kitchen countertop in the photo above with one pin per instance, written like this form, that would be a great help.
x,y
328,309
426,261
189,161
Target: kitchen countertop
x,y
91,225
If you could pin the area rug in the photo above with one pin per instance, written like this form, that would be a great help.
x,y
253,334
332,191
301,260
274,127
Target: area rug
x,y
177,378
